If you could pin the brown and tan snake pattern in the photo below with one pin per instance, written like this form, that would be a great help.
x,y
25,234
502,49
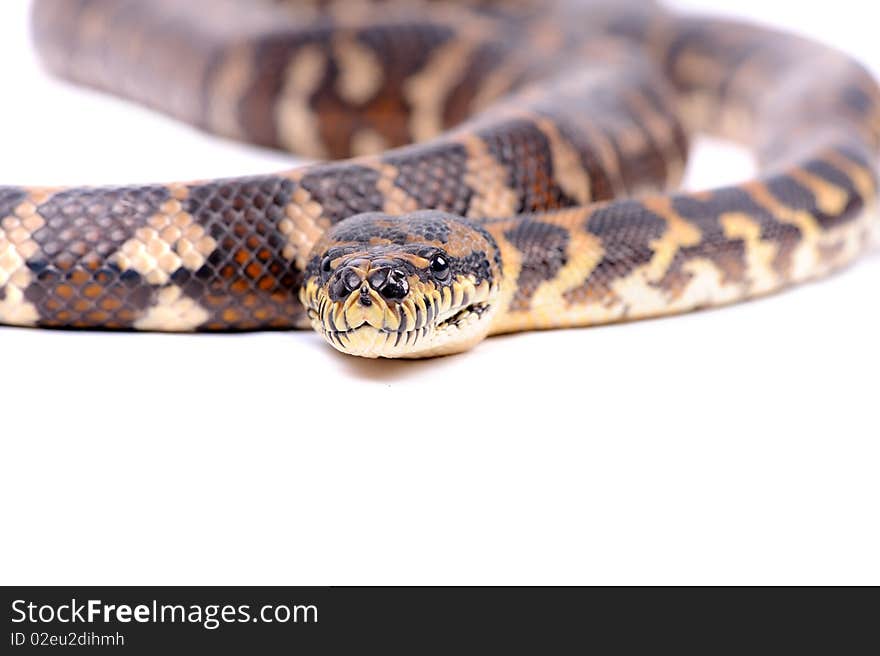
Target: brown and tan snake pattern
x,y
504,166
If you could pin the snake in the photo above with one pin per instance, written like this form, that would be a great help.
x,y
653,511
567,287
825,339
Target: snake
x,y
473,167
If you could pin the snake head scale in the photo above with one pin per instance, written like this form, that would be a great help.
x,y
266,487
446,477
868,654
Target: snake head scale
x,y
417,285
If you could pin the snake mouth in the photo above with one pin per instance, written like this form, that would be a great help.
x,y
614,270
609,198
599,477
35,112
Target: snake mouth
x,y
475,310
429,320
406,337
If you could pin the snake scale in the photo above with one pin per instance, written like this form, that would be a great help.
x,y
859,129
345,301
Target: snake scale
x,y
482,167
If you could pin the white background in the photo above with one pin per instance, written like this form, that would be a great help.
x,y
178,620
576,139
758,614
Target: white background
x,y
730,446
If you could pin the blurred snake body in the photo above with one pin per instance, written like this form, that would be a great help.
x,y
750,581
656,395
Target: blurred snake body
x,y
482,167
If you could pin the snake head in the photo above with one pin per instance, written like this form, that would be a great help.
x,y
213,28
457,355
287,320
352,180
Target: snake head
x,y
417,285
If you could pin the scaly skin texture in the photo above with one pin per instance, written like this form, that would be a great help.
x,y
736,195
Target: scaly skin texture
x,y
538,195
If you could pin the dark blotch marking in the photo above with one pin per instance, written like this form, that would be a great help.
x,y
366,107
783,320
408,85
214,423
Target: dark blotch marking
x,y
857,100
74,284
662,108
361,230
488,58
705,215
344,190
645,169
793,194
415,229
86,225
626,229
434,176
246,282
728,255
272,55
475,264
10,197
831,173
544,251
601,187
524,150
403,48
854,201
429,228
477,227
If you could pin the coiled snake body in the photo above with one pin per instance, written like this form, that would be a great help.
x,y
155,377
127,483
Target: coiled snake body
x,y
546,139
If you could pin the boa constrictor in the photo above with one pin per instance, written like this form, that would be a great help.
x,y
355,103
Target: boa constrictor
x,y
487,167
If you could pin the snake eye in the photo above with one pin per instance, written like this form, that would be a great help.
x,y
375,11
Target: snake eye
x,y
440,267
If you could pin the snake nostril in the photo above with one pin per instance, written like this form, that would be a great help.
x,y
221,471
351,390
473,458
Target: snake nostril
x,y
394,286
352,279
378,278
347,280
